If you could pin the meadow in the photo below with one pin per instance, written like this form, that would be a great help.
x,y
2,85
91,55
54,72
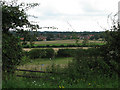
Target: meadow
x,y
68,72
56,80
64,43
71,41
41,64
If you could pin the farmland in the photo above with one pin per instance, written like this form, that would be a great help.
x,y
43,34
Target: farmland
x,y
64,43
72,41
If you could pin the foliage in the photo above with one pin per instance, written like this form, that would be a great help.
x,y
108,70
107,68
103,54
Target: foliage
x,y
36,53
65,52
59,81
26,53
27,37
41,53
50,53
88,63
11,52
111,51
61,45
85,41
15,18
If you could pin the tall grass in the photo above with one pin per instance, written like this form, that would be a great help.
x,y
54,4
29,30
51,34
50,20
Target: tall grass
x,y
87,70
57,82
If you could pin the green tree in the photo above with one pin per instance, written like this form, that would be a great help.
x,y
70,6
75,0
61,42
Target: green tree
x,y
11,52
14,17
111,51
85,41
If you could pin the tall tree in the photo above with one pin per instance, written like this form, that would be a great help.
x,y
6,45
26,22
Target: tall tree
x,y
112,47
14,17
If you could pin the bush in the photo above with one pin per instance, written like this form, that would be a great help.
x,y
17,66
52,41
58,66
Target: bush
x,y
26,46
50,53
26,53
87,64
65,52
37,53
41,53
95,52
24,43
11,52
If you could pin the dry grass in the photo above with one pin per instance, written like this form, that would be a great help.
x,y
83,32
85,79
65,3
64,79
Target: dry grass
x,y
33,67
38,67
56,49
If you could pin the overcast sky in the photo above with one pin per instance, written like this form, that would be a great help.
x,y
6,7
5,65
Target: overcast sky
x,y
81,15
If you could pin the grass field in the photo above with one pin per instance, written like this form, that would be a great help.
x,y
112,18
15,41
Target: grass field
x,y
97,82
63,42
56,81
59,81
41,64
66,42
72,41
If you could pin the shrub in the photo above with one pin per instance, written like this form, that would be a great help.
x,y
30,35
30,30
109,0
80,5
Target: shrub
x,y
47,45
65,52
41,53
50,53
62,45
95,52
26,53
11,52
26,46
37,53
24,43
86,64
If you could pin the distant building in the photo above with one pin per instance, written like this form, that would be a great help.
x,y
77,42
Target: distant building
x,y
22,39
81,37
41,38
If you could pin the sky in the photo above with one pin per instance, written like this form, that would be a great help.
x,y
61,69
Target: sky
x,y
73,15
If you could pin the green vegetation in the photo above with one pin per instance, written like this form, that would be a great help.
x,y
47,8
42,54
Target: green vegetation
x,y
14,16
66,52
56,82
86,70
50,61
11,52
37,63
96,67
41,53
111,51
91,44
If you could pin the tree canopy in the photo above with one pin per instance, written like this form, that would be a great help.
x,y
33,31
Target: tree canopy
x,y
14,16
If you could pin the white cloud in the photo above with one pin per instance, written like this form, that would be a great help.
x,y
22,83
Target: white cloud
x,y
82,14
